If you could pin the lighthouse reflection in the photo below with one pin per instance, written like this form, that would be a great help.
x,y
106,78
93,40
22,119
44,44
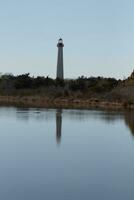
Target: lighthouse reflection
x,y
58,125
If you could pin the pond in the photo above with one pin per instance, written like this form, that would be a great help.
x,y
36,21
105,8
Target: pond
x,y
66,154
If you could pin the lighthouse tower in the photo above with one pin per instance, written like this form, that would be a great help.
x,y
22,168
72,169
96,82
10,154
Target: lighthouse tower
x,y
60,73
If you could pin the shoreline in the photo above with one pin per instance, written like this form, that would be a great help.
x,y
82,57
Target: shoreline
x,y
45,102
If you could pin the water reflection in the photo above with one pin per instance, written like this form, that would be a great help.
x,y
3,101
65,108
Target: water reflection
x,y
129,120
55,116
58,125
38,114
23,114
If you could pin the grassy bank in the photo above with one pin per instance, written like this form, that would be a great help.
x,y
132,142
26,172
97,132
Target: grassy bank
x,y
36,101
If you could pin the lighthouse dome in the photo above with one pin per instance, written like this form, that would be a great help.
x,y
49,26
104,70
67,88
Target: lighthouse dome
x,y
60,43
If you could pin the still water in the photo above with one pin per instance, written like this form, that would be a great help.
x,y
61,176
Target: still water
x,y
48,154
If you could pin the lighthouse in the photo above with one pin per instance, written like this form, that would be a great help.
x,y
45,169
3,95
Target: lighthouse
x,y
60,72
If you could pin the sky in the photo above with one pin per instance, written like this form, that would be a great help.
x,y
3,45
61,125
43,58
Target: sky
x,y
98,37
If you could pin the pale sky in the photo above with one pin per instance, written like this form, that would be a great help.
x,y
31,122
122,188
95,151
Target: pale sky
x,y
98,37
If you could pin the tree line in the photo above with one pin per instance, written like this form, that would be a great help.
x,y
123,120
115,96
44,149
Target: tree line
x,y
10,83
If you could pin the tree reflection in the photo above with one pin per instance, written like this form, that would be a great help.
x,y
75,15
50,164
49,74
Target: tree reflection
x,y
58,125
129,120
23,113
